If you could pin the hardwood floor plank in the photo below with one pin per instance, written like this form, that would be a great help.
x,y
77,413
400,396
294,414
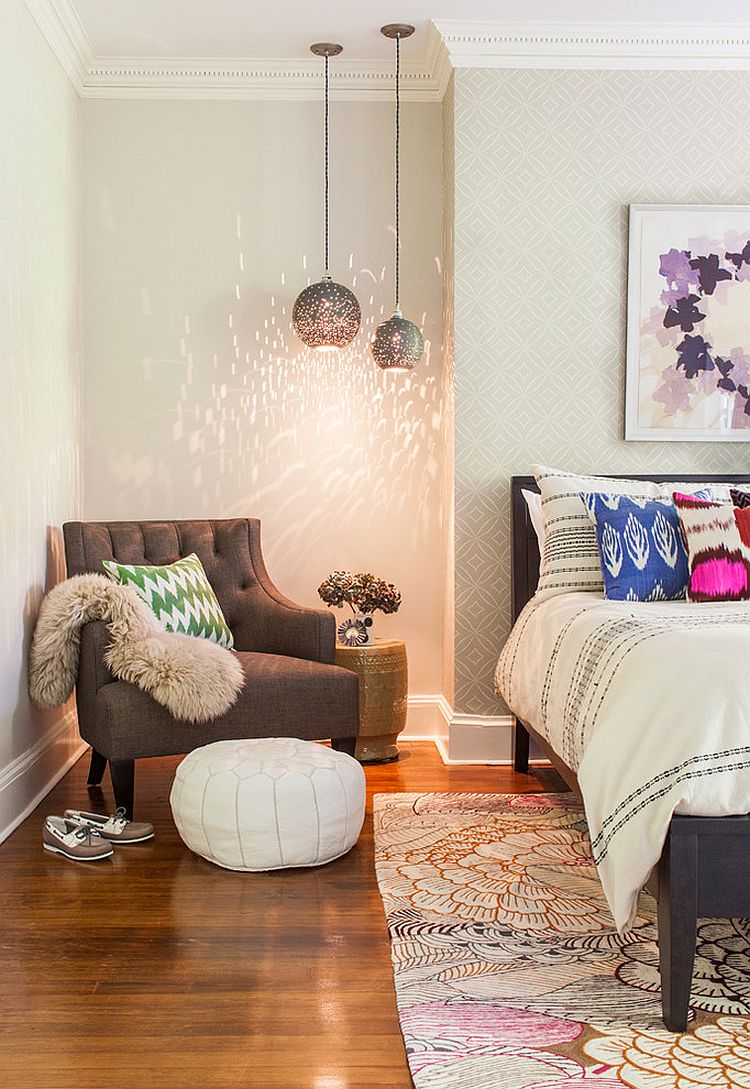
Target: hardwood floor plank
x,y
156,969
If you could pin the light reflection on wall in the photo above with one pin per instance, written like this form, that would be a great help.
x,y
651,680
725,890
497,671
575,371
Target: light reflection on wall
x,y
331,417
341,460
203,225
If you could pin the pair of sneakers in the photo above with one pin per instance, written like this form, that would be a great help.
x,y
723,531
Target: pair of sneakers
x,y
88,837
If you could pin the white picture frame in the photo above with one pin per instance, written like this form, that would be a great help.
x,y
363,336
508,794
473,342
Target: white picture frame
x,y
673,371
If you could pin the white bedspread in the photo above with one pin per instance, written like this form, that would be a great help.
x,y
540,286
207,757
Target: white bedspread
x,y
649,704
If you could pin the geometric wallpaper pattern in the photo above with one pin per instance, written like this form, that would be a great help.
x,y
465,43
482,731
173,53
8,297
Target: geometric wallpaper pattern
x,y
546,164
448,670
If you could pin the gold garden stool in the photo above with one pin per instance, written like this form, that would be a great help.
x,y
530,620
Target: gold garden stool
x,y
383,686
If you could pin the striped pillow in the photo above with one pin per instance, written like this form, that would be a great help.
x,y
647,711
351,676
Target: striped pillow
x,y
718,543
179,595
570,559
740,499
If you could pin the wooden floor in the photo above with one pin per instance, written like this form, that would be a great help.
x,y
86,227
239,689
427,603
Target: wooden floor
x,y
156,969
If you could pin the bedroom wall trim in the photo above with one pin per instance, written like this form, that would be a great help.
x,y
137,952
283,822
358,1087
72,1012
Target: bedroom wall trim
x,y
449,44
424,718
205,78
586,45
423,79
59,23
474,739
460,739
34,773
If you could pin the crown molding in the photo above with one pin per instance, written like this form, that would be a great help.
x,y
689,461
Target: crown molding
x,y
578,45
59,23
449,45
437,60
423,79
200,77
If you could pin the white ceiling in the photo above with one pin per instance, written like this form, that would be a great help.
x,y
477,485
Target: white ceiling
x,y
286,28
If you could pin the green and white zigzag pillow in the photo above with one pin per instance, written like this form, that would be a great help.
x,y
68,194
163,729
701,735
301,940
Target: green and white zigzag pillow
x,y
179,595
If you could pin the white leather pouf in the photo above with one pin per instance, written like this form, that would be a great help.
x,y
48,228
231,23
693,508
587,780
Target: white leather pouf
x,y
268,803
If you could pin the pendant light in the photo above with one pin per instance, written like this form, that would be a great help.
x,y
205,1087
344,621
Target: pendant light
x,y
398,343
326,315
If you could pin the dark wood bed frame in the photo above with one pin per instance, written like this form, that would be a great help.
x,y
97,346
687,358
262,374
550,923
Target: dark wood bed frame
x,y
704,869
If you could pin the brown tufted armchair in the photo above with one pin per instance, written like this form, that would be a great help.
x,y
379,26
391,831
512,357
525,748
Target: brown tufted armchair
x,y
292,687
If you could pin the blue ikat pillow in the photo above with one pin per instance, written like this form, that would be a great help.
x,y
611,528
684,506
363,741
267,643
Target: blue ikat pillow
x,y
641,548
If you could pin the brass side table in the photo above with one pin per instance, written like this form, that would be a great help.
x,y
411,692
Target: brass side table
x,y
383,687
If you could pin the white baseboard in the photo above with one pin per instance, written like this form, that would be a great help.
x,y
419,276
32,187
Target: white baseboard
x,y
460,739
28,778
424,718
475,739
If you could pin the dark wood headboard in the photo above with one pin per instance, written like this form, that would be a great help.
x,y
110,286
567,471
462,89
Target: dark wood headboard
x,y
525,547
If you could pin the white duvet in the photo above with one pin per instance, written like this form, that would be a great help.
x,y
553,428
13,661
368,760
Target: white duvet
x,y
649,704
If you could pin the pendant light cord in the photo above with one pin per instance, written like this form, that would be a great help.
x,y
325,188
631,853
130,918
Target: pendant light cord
x,y
326,171
398,156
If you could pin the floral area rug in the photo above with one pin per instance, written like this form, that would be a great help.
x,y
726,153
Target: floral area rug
x,y
509,972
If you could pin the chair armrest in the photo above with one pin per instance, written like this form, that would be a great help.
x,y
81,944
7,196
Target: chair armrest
x,y
294,630
279,625
95,639
93,673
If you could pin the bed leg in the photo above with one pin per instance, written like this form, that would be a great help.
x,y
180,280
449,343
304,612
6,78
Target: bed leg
x,y
520,749
678,919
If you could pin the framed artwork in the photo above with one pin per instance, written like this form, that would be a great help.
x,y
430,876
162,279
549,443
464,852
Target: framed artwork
x,y
688,352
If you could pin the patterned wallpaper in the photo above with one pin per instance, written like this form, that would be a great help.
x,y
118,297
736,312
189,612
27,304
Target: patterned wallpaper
x,y
546,164
448,405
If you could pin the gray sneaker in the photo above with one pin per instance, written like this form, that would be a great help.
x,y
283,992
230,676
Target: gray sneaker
x,y
117,828
75,841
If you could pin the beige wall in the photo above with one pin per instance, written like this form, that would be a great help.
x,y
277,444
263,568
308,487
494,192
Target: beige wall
x,y
39,379
546,165
202,221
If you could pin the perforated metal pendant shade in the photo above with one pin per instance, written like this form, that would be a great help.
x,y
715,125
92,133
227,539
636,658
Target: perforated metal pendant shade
x,y
398,344
326,315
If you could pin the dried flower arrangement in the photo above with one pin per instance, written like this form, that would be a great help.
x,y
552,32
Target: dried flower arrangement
x,y
363,592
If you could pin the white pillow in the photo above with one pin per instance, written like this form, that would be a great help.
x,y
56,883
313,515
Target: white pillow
x,y
534,503
570,557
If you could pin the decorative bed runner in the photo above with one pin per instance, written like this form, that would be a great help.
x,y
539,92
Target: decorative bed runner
x,y
509,971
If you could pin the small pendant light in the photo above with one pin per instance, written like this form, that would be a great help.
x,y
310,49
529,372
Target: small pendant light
x,y
398,343
326,315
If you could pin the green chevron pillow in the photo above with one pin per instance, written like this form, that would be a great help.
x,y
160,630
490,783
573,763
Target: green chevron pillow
x,y
179,595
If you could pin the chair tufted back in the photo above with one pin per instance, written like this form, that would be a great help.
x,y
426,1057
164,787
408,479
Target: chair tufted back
x,y
228,548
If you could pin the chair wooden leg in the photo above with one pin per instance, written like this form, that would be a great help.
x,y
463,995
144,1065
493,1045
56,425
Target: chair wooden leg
x,y
678,919
122,773
97,768
344,744
520,748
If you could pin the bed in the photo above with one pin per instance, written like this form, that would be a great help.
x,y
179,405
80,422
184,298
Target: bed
x,y
643,709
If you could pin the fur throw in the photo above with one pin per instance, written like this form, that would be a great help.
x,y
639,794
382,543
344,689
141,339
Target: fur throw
x,y
195,679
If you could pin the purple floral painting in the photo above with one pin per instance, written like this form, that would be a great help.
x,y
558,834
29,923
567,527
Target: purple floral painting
x,y
688,358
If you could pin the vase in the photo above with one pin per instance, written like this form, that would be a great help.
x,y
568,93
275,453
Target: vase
x,y
355,631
